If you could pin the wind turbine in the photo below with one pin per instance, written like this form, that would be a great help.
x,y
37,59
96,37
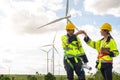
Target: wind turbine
x,y
57,20
53,50
47,58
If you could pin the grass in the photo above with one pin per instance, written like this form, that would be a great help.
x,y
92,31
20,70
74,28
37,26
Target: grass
x,y
97,76
39,77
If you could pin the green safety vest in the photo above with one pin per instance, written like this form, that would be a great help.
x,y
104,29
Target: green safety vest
x,y
101,44
72,48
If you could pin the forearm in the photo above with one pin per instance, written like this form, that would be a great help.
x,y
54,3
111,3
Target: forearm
x,y
114,53
86,39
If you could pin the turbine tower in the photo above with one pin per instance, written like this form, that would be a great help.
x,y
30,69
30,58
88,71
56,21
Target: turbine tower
x,y
54,49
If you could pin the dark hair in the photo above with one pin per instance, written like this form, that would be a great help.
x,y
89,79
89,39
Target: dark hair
x,y
109,36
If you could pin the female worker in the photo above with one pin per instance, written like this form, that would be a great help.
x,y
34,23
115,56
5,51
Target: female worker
x,y
107,49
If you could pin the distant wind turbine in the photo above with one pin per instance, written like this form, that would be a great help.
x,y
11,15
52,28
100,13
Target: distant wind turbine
x,y
47,52
53,50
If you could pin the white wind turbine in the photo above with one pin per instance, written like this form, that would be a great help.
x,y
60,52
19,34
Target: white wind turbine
x,y
53,51
47,52
57,20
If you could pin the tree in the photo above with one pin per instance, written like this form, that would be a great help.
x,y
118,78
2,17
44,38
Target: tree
x,y
49,76
2,77
29,77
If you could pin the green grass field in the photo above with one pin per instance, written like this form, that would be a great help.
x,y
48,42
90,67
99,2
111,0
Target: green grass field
x,y
97,76
39,77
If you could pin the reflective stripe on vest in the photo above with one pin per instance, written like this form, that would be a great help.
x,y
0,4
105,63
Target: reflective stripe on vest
x,y
100,56
71,48
71,56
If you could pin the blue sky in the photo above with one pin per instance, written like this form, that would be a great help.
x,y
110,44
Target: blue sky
x,y
89,17
21,40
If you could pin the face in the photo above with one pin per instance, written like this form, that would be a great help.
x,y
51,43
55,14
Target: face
x,y
70,32
103,32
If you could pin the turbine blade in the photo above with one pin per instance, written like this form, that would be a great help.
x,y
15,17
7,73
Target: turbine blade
x,y
56,50
54,21
74,25
46,45
49,50
43,50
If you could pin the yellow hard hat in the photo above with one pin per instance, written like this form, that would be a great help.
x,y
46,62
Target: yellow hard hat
x,y
70,26
106,26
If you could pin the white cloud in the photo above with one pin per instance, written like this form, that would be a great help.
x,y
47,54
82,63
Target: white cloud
x,y
29,23
24,51
47,4
106,7
75,12
25,16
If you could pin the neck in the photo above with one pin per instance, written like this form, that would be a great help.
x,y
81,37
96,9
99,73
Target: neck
x,y
105,37
70,34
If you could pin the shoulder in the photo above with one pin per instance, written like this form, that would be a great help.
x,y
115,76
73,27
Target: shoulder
x,y
99,41
112,41
64,37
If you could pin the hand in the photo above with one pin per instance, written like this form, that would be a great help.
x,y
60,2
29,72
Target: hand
x,y
81,32
78,42
105,51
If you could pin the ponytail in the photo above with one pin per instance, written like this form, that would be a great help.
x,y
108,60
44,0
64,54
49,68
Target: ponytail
x,y
109,37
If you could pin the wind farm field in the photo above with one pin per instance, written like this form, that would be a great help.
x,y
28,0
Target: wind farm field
x,y
33,77
30,77
49,76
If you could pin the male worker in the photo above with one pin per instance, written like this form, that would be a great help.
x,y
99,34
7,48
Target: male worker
x,y
73,54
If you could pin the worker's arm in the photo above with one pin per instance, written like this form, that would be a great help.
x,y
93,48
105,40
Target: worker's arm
x,y
64,42
80,46
113,49
91,43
